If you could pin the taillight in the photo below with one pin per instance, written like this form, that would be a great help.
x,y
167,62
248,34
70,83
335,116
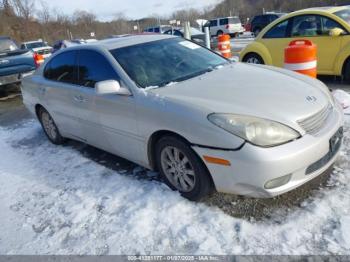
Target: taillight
x,y
227,26
38,59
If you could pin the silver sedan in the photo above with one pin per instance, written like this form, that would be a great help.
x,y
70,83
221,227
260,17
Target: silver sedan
x,y
203,122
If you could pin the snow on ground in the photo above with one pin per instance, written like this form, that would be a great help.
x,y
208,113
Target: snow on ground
x,y
53,200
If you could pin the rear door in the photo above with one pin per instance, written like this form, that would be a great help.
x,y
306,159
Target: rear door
x,y
61,94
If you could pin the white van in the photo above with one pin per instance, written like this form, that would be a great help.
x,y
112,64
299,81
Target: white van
x,y
226,25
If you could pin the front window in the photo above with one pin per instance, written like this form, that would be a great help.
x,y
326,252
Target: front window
x,y
158,63
306,25
93,67
344,14
313,25
7,45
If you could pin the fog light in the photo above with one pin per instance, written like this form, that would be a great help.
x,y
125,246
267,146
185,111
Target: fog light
x,y
277,182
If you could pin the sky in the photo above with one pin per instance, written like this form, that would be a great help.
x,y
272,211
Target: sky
x,y
135,9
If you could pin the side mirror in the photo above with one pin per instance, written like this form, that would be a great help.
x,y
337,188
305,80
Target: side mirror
x,y
336,32
111,87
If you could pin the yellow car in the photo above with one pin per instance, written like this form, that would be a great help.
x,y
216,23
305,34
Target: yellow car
x,y
327,27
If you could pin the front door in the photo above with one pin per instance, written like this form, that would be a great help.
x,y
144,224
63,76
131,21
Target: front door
x,y
110,120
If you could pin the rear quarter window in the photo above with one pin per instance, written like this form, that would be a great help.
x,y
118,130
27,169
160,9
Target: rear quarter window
x,y
278,31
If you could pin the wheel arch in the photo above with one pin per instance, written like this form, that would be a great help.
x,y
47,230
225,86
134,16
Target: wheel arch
x,y
151,149
37,108
259,49
152,142
341,59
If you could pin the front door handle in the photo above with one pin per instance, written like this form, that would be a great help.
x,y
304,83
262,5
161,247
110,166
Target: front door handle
x,y
79,99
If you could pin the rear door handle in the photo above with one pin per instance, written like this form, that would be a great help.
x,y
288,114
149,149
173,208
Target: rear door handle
x,y
79,99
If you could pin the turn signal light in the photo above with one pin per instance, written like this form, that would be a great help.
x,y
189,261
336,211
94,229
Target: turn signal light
x,y
217,161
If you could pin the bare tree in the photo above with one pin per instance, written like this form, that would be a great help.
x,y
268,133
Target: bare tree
x,y
24,8
43,13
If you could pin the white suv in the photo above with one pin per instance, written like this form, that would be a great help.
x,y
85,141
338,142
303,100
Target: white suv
x,y
226,25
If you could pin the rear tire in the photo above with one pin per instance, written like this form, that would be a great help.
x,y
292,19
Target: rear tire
x,y
182,169
253,58
49,127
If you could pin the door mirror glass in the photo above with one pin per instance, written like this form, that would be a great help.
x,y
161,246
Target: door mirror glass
x,y
336,32
111,87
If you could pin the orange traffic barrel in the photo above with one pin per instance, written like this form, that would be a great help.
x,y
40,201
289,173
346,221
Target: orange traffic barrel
x,y
301,56
224,45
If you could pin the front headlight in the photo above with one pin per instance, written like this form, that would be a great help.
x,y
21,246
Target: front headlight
x,y
258,131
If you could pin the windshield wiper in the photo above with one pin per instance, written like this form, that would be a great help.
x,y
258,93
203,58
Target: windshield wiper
x,y
186,77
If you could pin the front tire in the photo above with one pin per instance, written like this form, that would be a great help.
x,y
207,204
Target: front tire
x,y
346,71
182,169
49,127
253,58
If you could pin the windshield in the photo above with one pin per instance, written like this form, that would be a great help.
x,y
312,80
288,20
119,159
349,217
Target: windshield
x,y
7,45
158,63
344,14
35,45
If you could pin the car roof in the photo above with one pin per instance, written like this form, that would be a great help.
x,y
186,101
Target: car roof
x,y
225,17
31,42
130,40
325,10
328,9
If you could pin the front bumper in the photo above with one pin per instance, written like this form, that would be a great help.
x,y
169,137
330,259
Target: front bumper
x,y
13,78
252,167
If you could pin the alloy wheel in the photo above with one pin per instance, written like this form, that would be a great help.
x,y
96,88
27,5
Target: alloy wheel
x,y
178,169
49,125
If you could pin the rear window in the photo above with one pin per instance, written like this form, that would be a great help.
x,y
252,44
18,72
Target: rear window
x,y
35,45
7,45
344,14
234,20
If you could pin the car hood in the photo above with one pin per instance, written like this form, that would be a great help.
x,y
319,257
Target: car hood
x,y
264,92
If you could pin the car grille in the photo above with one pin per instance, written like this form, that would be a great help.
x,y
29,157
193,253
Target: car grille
x,y
314,123
328,157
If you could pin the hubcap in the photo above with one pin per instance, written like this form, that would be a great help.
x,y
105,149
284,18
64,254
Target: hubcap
x,y
178,169
49,125
253,60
